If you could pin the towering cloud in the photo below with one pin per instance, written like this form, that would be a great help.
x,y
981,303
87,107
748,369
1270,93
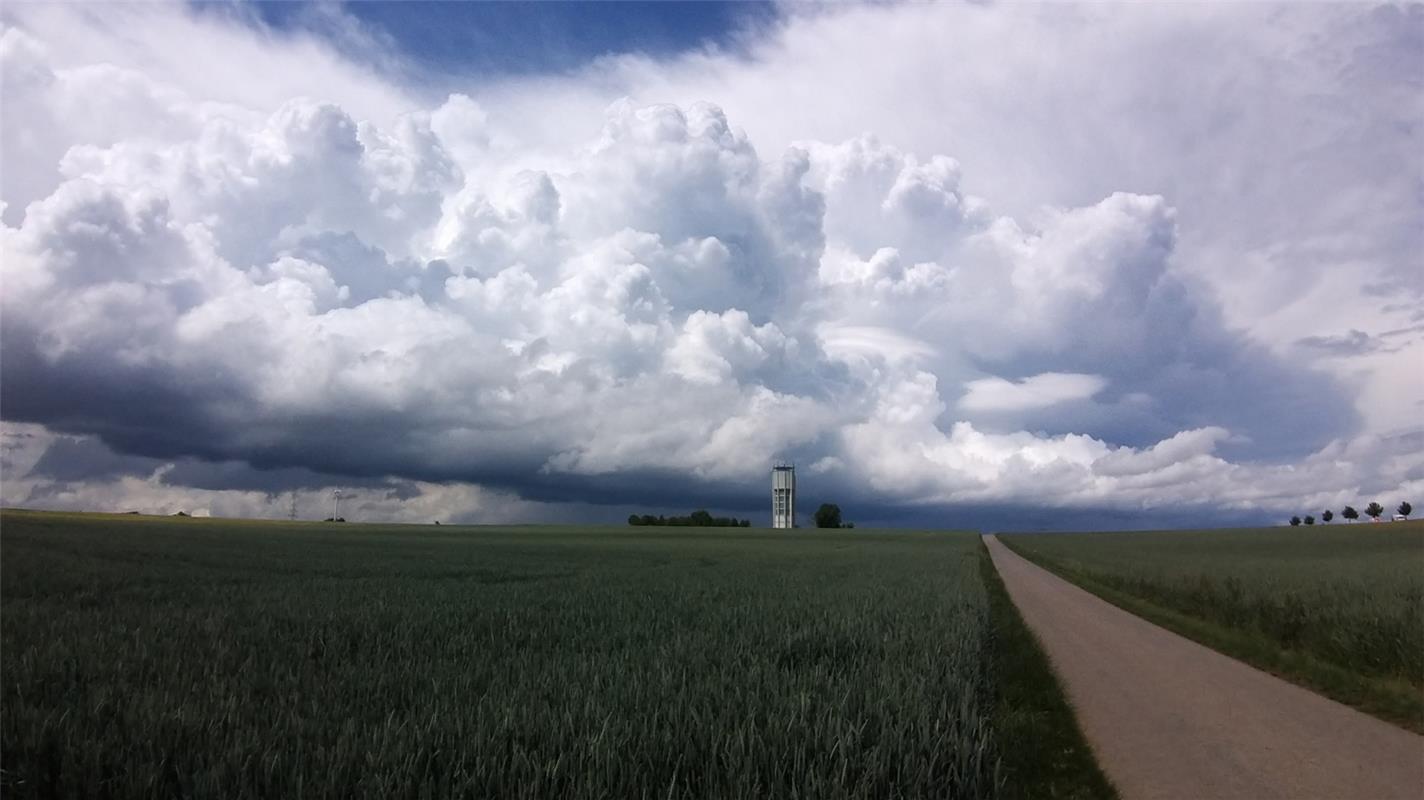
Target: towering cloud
x,y
463,312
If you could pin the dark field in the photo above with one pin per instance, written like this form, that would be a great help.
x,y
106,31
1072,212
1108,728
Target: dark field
x,y
1339,608
155,657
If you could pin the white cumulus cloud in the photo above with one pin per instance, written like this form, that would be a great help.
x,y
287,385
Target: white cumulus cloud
x,y
558,288
1035,391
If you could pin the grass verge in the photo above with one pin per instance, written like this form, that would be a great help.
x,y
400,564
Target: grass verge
x,y
1044,754
1392,700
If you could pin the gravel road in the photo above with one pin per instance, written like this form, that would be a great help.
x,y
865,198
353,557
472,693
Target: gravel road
x,y
1169,718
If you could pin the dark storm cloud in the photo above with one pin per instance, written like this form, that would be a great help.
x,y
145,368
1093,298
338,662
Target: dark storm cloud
x,y
148,411
1354,343
240,476
84,459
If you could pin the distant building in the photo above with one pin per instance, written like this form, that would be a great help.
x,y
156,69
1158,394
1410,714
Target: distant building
x,y
783,496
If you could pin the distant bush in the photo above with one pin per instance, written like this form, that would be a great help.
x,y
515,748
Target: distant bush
x,y
1309,520
1405,509
1294,521
829,516
697,519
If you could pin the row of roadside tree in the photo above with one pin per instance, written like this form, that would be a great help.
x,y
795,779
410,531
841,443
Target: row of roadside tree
x,y
1374,511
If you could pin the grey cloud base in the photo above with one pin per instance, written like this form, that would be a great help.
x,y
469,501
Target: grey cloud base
x,y
46,470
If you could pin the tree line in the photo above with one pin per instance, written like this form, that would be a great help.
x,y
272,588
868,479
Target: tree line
x,y
697,519
827,516
1374,511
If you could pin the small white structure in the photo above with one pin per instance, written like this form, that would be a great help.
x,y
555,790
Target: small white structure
x,y
783,496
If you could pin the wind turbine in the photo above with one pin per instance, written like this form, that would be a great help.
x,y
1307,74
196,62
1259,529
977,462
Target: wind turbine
x,y
335,505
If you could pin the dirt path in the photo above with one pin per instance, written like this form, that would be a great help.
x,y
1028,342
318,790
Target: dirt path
x,y
1168,718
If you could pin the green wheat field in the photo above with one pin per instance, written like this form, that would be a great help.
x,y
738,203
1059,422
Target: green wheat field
x,y
147,657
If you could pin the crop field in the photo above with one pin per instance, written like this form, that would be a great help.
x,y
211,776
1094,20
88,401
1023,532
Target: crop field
x,y
151,657
1337,608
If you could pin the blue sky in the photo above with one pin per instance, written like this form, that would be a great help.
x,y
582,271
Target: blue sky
x,y
507,38
988,265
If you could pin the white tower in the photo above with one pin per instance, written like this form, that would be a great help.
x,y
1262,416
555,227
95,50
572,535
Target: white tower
x,y
783,496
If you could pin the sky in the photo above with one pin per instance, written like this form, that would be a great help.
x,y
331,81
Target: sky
x,y
965,265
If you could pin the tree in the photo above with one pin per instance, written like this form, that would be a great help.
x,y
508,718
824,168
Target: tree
x,y
1295,521
1405,509
1374,510
1327,516
1309,520
1350,513
828,516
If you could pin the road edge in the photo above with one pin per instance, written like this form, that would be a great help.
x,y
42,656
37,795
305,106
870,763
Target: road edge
x,y
1043,751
